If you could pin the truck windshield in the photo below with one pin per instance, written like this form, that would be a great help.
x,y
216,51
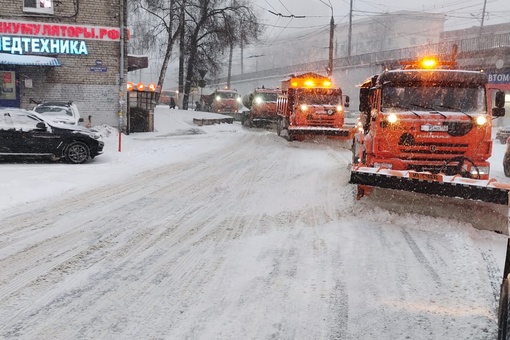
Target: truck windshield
x,y
320,97
268,97
437,98
226,95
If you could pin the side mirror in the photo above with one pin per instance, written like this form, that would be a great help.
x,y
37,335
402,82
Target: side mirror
x,y
500,99
347,100
364,103
41,126
498,112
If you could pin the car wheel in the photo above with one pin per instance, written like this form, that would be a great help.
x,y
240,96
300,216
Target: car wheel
x,y
77,153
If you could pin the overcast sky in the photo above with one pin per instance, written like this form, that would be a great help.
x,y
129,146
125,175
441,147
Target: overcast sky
x,y
459,13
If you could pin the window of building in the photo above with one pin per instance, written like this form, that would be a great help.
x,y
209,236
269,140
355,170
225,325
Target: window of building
x,y
38,6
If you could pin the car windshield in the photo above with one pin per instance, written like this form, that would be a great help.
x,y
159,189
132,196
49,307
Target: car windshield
x,y
54,111
440,98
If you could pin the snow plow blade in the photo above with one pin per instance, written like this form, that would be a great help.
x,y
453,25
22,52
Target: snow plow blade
x,y
483,203
347,132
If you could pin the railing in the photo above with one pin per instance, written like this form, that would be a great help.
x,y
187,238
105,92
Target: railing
x,y
379,58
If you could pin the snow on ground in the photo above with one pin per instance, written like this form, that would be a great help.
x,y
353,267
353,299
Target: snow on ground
x,y
223,232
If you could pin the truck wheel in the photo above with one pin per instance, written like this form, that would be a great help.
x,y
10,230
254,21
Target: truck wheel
x,y
279,126
503,331
77,153
243,118
355,152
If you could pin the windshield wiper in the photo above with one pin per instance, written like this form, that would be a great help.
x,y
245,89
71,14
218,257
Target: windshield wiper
x,y
428,108
455,108
406,108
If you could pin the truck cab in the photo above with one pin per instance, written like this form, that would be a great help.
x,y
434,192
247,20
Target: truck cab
x,y
427,119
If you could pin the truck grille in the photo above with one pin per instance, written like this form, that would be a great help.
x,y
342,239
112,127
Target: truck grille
x,y
322,121
408,145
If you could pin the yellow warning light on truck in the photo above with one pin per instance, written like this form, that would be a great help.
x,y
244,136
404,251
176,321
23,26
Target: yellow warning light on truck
x,y
429,62
310,82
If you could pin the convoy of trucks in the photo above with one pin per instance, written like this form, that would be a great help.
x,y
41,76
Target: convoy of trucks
x,y
422,142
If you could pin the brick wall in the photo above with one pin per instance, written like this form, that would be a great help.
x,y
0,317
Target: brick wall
x,y
95,93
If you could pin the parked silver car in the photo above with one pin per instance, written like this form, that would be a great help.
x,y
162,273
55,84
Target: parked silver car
x,y
60,112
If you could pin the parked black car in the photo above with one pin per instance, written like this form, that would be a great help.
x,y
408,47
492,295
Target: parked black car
x,y
27,134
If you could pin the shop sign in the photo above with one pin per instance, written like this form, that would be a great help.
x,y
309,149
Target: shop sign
x,y
499,78
17,45
52,30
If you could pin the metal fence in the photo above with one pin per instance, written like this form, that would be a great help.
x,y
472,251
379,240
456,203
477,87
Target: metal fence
x,y
384,57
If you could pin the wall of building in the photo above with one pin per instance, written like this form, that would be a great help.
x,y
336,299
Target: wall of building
x,y
91,80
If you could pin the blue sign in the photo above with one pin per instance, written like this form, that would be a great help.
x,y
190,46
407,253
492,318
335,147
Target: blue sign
x,y
499,78
98,69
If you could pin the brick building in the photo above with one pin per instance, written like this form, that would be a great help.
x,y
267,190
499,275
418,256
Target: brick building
x,y
64,50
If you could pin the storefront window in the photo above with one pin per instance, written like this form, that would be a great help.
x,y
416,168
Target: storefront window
x,y
38,6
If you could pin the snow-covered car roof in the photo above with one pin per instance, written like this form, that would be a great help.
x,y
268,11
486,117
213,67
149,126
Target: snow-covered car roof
x,y
60,112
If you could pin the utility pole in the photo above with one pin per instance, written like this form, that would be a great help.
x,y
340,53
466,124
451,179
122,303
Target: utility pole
x,y
483,17
349,51
329,68
331,34
181,54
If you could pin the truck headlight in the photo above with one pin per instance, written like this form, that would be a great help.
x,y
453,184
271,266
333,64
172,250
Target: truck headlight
x,y
304,107
383,165
392,118
481,120
218,98
483,170
258,100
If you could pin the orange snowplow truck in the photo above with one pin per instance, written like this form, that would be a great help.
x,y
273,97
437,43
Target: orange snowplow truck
x,y
262,105
427,116
425,138
224,102
311,105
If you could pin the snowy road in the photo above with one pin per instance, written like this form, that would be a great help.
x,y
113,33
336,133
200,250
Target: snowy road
x,y
256,239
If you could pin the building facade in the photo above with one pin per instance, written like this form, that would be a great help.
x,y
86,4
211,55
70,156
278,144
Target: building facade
x,y
65,51
377,33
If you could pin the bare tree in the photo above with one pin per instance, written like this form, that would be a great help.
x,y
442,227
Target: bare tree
x,y
210,29
240,31
159,30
